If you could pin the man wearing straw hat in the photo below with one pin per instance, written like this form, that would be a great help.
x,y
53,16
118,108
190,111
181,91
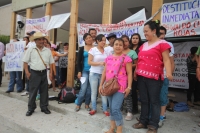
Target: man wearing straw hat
x,y
38,58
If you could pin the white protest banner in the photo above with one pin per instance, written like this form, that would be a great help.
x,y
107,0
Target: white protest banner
x,y
182,51
181,18
57,21
14,55
127,27
38,25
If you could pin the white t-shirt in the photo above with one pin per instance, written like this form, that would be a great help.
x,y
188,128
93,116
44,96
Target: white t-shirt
x,y
170,55
97,57
109,50
31,44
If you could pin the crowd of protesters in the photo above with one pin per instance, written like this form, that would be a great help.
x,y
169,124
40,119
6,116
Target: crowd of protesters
x,y
144,68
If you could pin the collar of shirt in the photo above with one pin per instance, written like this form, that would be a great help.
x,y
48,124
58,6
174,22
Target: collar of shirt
x,y
43,49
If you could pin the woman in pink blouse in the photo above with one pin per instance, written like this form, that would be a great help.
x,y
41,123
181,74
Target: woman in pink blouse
x,y
153,56
112,65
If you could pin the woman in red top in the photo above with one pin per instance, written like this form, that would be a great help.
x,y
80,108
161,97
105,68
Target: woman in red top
x,y
153,56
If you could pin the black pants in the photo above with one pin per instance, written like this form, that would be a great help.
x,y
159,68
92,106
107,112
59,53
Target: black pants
x,y
193,88
135,96
63,75
0,72
38,80
150,95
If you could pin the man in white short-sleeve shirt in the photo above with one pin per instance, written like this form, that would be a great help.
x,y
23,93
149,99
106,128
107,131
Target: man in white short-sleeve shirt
x,y
38,57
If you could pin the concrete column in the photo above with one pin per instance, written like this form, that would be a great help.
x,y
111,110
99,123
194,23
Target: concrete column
x,y
107,11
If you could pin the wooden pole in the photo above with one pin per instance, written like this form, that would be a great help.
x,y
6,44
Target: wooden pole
x,y
72,42
48,12
48,9
13,25
28,13
54,36
107,11
156,5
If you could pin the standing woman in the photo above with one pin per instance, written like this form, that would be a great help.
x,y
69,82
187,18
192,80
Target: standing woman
x,y
135,43
63,62
83,71
132,54
96,59
153,56
55,54
112,66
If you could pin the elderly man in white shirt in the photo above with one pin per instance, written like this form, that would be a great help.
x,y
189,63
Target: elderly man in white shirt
x,y
38,57
1,56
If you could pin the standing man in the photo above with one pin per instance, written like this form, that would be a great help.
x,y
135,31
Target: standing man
x,y
93,33
38,57
1,56
111,38
164,89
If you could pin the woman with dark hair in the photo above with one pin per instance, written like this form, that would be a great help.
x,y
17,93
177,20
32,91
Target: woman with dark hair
x,y
46,42
96,59
124,76
133,55
153,56
135,42
83,71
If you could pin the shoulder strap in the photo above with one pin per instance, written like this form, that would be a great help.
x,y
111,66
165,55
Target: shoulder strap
x,y
41,58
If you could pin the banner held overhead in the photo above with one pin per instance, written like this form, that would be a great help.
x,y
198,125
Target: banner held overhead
x,y
57,21
127,27
38,25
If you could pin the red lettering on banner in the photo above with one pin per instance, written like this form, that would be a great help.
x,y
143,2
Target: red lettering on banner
x,y
10,48
185,32
181,55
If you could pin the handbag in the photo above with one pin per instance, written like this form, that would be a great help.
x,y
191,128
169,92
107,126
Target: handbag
x,y
111,86
41,58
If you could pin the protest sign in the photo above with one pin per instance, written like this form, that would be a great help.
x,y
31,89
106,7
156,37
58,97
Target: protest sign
x,y
181,18
38,25
127,27
14,55
182,51
57,21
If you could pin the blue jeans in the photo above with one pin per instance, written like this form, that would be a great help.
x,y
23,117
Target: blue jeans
x,y
85,91
15,77
164,92
95,80
149,90
115,103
